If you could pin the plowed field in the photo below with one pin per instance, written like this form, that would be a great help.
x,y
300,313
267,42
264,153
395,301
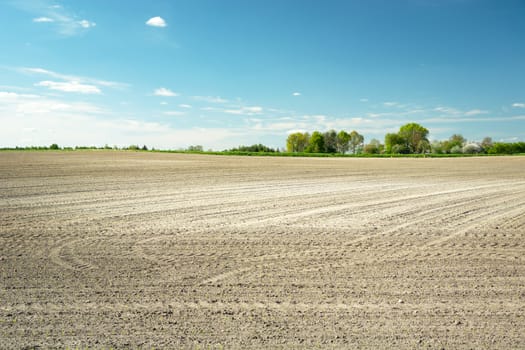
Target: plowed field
x,y
107,249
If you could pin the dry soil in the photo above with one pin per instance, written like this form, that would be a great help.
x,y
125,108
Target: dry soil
x,y
108,249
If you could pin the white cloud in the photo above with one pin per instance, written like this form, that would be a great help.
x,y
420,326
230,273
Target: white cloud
x,y
72,86
43,20
164,103
390,104
518,105
174,113
447,110
363,100
296,94
379,115
475,112
39,120
67,77
212,109
210,99
30,104
164,92
73,124
8,95
156,22
184,106
65,22
245,110
473,120
86,24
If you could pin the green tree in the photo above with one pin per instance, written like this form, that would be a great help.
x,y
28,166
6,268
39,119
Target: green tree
x,y
330,141
486,143
297,142
356,142
374,147
424,146
457,140
316,144
195,148
393,141
54,146
343,141
415,137
454,144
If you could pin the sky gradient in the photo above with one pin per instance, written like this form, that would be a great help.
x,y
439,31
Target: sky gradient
x,y
170,74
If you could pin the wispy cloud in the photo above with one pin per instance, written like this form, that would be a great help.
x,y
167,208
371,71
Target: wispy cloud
x,y
64,22
473,120
174,113
14,96
156,22
73,86
475,112
43,20
70,78
390,104
447,110
518,105
86,24
379,115
363,100
185,106
165,92
210,99
31,104
296,94
245,110
30,119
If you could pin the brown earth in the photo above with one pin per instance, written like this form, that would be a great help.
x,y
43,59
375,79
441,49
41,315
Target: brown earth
x,y
107,249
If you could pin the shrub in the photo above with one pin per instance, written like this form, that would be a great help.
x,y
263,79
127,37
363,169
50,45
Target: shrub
x,y
472,148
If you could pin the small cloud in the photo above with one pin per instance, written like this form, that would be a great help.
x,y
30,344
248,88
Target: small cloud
x,y
378,115
8,95
72,86
164,103
165,92
475,112
210,99
363,100
156,22
86,24
518,105
245,110
184,106
43,20
447,110
211,109
174,113
390,104
296,94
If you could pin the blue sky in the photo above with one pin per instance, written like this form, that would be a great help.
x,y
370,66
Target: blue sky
x,y
221,73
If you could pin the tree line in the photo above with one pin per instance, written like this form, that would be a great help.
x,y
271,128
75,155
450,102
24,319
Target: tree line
x,y
327,142
412,138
